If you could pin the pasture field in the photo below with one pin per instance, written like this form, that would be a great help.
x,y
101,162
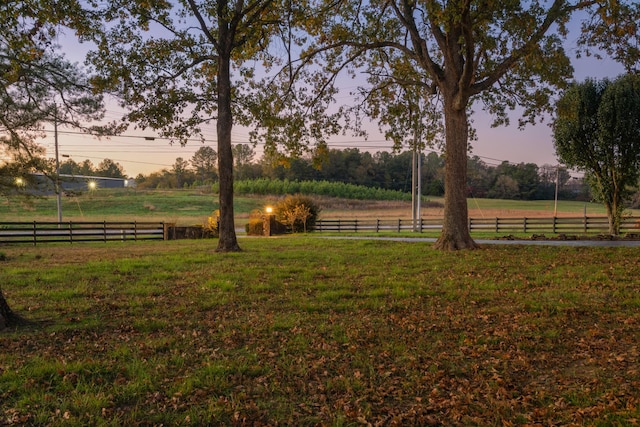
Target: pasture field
x,y
188,207
308,331
180,206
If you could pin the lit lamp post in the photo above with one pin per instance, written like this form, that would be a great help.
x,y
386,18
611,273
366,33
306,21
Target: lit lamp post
x,y
91,186
269,222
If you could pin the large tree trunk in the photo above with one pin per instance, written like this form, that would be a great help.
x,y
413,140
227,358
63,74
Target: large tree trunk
x,y
227,241
455,228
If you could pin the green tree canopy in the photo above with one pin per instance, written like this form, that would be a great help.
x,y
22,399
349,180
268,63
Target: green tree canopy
x,y
38,86
111,169
243,155
204,162
497,54
597,130
180,65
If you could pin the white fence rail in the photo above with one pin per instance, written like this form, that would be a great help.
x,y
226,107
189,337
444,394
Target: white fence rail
x,y
555,225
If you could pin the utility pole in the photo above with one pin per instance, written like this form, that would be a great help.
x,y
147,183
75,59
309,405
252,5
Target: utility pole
x,y
416,186
57,181
555,204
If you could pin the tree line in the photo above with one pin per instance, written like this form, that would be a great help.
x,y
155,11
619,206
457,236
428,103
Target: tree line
x,y
383,170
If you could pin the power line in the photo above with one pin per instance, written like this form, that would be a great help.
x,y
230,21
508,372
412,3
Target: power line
x,y
150,148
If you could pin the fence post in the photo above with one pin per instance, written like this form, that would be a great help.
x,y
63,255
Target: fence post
x,y
35,233
104,230
70,232
356,225
497,225
377,225
421,225
554,224
585,224
399,225
525,224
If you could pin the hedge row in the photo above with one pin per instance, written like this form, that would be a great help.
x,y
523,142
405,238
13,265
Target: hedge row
x,y
279,187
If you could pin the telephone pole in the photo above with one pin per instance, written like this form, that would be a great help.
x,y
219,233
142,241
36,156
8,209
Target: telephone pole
x,y
416,187
57,181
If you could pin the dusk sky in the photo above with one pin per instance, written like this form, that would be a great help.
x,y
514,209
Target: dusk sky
x,y
138,155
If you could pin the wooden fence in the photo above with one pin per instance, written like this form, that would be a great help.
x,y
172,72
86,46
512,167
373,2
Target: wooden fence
x,y
49,232
555,225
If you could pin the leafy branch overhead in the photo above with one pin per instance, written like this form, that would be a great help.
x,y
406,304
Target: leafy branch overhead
x,y
39,86
180,67
500,55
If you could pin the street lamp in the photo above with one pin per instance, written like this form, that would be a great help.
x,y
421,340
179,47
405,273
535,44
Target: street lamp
x,y
269,222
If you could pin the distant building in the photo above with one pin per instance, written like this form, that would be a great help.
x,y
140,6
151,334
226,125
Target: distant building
x,y
77,183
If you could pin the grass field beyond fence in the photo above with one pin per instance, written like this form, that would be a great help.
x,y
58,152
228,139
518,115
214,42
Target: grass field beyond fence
x,y
193,206
307,331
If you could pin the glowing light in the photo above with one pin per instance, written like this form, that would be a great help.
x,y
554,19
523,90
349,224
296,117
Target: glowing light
x,y
269,209
92,185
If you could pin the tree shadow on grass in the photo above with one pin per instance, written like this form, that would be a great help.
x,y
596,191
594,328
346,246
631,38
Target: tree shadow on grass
x,y
10,320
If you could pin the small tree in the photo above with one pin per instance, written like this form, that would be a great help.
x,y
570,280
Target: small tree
x,y
298,211
303,213
111,169
290,217
597,131
242,156
204,162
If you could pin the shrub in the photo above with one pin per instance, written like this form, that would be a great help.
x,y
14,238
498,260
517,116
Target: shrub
x,y
299,212
255,226
210,229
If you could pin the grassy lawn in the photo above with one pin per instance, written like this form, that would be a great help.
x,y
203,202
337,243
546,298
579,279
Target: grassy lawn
x,y
185,207
193,206
306,331
574,208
